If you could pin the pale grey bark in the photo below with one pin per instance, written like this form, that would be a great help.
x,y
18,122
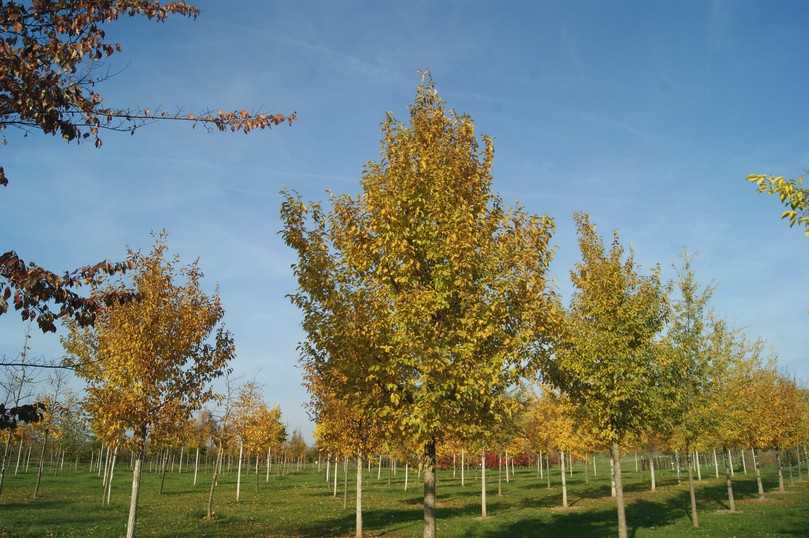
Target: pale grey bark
x,y
429,490
615,456
133,499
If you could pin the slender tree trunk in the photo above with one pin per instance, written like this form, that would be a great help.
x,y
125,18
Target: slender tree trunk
x,y
483,484
107,463
41,464
19,453
28,458
406,472
615,453
797,458
698,465
506,462
677,464
328,469
112,473
133,498
730,460
345,482
358,514
744,463
217,468
267,478
564,480
453,465
595,469
335,477
429,490
758,473
729,483
196,465
652,472
691,493
379,469
586,470
239,471
548,469
715,463
780,463
463,466
499,475
162,469
612,475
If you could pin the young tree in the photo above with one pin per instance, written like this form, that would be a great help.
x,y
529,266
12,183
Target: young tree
x,y
455,285
608,361
688,345
148,364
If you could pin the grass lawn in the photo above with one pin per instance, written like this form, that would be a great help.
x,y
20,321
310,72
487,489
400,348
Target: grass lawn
x,y
300,504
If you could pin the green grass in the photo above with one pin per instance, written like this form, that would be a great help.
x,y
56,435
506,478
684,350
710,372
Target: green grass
x,y
300,504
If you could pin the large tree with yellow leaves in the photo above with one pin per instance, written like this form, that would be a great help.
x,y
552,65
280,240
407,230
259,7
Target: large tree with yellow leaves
x,y
455,284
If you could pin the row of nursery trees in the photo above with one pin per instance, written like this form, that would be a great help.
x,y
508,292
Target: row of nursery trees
x,y
431,324
149,364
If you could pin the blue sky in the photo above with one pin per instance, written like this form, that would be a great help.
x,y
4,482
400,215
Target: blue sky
x,y
648,115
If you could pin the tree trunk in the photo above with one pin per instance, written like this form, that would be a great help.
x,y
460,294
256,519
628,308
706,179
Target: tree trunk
x,y
729,482
499,475
267,478
744,463
564,479
335,477
652,472
217,468
758,474
41,464
779,461
612,475
100,457
586,471
699,467
345,482
407,468
691,493
239,471
379,469
429,490
196,465
506,462
133,498
358,519
483,484
463,466
615,453
730,460
677,464
715,463
595,469
19,453
548,469
162,469
112,473
28,458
